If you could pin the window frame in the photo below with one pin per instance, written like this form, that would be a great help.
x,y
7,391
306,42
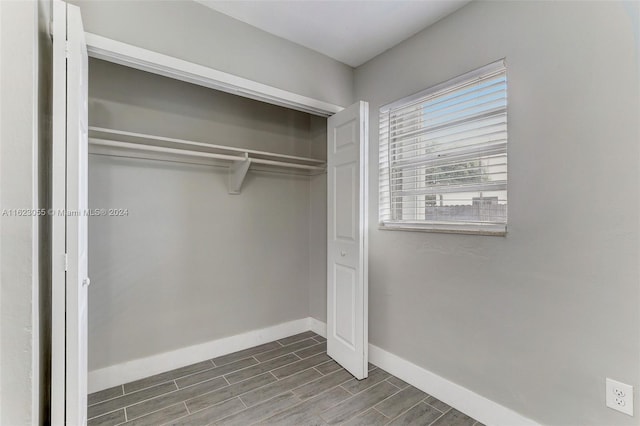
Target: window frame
x,y
385,190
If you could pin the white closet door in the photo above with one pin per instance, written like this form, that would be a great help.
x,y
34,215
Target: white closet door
x,y
347,292
70,243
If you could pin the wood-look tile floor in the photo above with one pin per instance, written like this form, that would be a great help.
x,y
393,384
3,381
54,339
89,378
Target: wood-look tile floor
x,y
291,381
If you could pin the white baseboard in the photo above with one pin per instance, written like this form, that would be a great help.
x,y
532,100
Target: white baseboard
x,y
317,326
463,399
469,402
129,371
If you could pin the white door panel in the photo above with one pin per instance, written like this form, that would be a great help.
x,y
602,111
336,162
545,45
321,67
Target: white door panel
x,y
77,201
345,178
70,194
347,291
345,304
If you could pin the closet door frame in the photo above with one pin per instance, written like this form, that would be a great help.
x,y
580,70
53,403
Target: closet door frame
x,y
146,60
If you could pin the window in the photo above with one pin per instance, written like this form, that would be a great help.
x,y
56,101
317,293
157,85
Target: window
x,y
443,156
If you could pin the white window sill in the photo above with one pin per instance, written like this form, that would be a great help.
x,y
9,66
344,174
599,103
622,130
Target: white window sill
x,y
448,228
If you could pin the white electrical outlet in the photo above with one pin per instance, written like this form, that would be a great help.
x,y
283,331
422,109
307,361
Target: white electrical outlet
x,y
619,396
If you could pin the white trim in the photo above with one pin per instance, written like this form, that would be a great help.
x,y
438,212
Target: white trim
x,y
118,374
317,326
146,60
462,399
58,202
490,229
1,222
36,350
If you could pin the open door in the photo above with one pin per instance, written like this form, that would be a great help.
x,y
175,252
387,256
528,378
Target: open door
x,y
69,221
347,287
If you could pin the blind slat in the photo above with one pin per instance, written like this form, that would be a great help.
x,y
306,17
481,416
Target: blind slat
x,y
466,108
454,189
454,157
412,114
432,147
478,118
478,122
432,181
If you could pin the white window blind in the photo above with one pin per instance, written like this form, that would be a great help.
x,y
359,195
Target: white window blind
x,y
443,156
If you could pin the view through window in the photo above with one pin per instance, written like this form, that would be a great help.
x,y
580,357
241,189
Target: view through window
x,y
443,156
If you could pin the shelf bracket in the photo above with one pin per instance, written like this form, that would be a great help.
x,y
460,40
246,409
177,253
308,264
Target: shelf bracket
x,y
237,172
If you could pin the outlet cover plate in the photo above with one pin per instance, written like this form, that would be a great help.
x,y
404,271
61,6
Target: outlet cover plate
x,y
619,396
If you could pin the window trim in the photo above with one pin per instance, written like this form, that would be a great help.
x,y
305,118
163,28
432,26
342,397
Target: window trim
x,y
473,228
489,229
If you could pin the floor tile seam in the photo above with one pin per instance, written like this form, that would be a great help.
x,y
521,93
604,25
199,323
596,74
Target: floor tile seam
x,y
173,391
290,390
173,379
264,372
372,406
404,412
108,399
124,407
239,396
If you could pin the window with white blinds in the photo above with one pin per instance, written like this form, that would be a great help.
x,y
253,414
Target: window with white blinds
x,y
443,156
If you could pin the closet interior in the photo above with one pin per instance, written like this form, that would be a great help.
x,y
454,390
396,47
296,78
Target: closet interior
x,y
225,206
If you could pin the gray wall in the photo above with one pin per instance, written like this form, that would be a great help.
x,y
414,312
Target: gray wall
x,y
192,263
193,32
25,77
127,99
318,225
536,320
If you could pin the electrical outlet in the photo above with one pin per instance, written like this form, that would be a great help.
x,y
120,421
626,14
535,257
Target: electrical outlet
x,y
619,396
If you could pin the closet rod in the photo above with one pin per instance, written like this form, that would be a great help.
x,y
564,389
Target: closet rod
x,y
114,144
102,133
136,146
283,164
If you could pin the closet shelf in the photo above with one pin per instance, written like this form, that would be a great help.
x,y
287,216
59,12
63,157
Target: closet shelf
x,y
240,158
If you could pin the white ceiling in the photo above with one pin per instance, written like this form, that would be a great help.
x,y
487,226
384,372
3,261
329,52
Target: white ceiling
x,y
350,31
